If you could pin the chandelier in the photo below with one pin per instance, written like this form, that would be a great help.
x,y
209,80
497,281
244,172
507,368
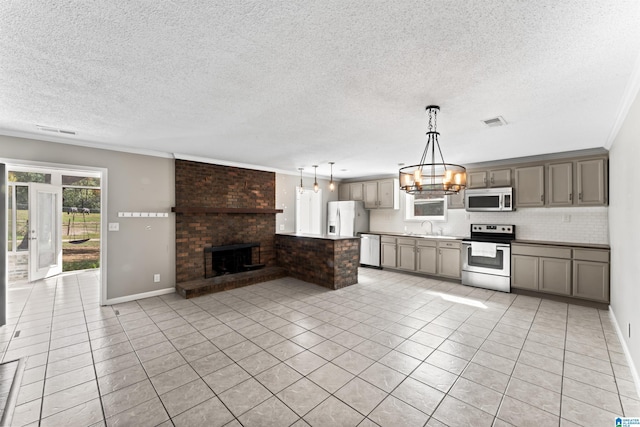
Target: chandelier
x,y
433,179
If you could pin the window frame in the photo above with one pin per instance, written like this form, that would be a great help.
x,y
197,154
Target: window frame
x,y
409,214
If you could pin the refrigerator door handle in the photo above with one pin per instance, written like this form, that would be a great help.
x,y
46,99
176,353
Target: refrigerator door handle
x,y
338,222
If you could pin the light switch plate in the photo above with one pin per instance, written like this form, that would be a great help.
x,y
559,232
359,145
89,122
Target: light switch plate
x,y
114,226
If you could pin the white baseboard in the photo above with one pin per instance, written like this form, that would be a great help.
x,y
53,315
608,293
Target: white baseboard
x,y
134,297
623,343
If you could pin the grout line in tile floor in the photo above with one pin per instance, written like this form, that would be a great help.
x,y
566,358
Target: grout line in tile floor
x,y
380,308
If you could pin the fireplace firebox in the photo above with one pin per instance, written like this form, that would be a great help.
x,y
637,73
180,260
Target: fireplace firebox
x,y
231,259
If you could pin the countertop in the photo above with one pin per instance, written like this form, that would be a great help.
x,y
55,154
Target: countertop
x,y
416,236
575,245
318,236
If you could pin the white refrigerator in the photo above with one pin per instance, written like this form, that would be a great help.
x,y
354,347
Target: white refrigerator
x,y
347,218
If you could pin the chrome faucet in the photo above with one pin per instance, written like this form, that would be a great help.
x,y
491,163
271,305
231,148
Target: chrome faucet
x,y
430,226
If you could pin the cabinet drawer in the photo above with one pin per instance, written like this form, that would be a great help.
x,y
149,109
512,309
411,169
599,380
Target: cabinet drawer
x,y
544,251
426,243
388,239
591,255
455,245
403,241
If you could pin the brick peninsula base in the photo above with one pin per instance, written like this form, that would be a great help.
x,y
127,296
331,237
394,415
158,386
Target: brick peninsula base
x,y
328,261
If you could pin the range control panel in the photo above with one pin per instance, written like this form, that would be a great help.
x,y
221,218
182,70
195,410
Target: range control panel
x,y
493,228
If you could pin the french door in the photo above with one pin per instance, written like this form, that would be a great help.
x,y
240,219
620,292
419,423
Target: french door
x,y
45,231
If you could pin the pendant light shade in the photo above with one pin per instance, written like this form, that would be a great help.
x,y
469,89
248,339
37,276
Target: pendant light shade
x,y
301,187
435,179
332,185
316,187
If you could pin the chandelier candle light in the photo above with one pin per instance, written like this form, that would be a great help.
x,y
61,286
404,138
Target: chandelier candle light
x,y
433,179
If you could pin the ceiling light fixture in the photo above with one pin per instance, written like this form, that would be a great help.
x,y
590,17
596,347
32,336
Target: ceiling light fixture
x,y
301,188
433,179
316,187
332,185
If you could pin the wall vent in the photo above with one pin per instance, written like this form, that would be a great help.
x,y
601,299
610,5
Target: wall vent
x,y
495,122
55,130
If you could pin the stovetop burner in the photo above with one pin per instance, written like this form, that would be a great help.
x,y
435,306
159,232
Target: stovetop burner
x,y
492,233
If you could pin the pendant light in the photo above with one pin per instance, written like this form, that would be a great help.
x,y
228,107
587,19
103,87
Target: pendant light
x,y
316,187
332,185
434,179
301,187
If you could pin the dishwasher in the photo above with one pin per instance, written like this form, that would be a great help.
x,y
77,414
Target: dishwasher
x,y
370,250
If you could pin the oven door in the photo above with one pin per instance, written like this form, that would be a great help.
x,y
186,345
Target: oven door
x,y
500,265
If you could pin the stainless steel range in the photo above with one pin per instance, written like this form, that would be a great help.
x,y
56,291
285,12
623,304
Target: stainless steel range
x,y
486,256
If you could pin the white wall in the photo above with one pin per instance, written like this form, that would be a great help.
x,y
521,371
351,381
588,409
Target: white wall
x,y
136,183
286,200
624,226
586,225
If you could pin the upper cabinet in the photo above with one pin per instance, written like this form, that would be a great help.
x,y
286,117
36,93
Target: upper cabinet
x,y
529,186
560,184
456,201
591,182
380,194
489,178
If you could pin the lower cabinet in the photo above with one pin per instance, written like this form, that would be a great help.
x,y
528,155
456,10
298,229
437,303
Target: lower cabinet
x,y
388,252
449,262
427,257
406,252
561,270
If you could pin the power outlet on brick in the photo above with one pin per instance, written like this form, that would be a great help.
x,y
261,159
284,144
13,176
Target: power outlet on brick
x,y
156,278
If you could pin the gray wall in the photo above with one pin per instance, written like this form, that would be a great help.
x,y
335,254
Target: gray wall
x,y
624,229
286,200
136,183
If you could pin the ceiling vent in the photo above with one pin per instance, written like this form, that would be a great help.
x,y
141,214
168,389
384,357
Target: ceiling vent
x,y
495,122
55,130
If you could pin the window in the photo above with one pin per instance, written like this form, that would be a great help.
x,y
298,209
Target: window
x,y
420,207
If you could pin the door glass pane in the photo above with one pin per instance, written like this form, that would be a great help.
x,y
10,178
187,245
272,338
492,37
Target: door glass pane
x,y
10,216
22,218
496,263
46,232
484,201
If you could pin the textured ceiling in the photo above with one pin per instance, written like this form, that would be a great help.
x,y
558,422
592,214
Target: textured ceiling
x,y
285,84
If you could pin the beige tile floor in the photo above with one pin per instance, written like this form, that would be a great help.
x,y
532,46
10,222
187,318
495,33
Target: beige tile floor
x,y
394,350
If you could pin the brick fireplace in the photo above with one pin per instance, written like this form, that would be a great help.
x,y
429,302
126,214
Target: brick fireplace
x,y
221,205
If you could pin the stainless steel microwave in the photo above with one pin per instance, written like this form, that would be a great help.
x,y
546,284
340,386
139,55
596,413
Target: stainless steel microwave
x,y
489,199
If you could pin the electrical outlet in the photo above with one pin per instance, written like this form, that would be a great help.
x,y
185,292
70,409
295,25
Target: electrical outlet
x,y
281,227
566,218
156,278
114,226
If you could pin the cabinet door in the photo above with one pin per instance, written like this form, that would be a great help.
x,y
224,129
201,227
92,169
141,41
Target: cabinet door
x,y
388,255
386,190
555,276
530,186
427,259
591,280
344,192
456,201
591,182
449,262
371,195
356,191
524,272
407,257
500,178
560,184
477,179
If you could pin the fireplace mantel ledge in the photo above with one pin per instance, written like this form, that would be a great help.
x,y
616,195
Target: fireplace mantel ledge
x,y
204,210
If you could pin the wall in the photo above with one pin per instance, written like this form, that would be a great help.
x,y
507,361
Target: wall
x,y
214,186
586,224
142,247
286,200
625,233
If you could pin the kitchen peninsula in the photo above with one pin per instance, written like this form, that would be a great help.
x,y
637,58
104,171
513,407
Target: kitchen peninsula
x,y
329,261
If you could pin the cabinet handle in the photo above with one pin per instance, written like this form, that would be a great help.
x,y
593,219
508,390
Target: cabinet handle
x,y
492,180
579,196
484,179
571,197
542,197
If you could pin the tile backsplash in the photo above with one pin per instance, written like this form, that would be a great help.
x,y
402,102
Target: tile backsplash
x,y
572,225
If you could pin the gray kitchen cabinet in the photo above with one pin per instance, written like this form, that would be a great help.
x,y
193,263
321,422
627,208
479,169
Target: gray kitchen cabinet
x,y
529,186
489,178
427,257
449,257
381,194
406,252
524,272
555,276
562,270
388,252
356,191
591,274
591,182
344,192
560,184
455,201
